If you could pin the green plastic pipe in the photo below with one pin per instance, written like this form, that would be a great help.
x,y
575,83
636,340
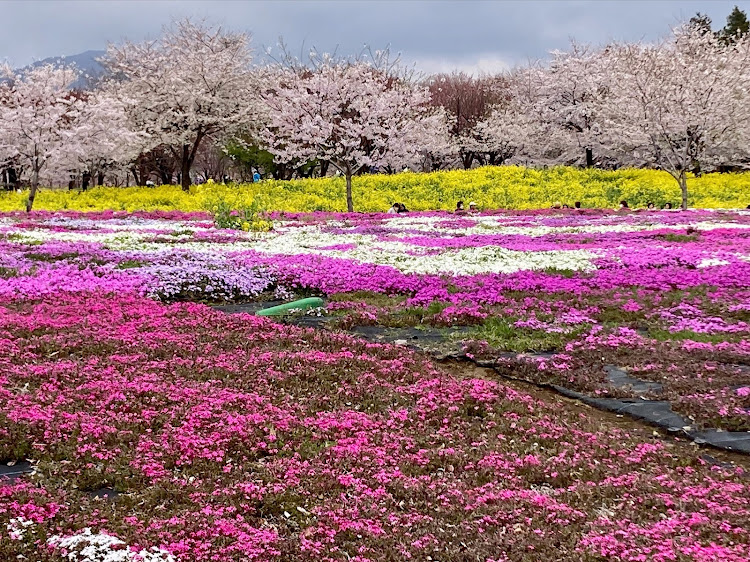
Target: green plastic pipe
x,y
303,304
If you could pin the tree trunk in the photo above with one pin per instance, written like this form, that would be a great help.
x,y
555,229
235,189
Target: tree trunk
x,y
32,192
188,157
100,178
323,168
185,168
589,157
467,159
139,176
683,188
349,202
12,178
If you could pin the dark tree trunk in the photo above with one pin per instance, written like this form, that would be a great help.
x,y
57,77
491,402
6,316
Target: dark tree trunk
x,y
589,157
496,158
467,160
100,178
283,172
188,157
349,201
85,180
34,187
10,178
185,168
324,168
139,175
683,187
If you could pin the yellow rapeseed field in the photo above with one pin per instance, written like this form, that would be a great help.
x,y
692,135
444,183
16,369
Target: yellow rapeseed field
x,y
492,187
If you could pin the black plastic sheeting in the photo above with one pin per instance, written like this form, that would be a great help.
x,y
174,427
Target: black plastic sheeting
x,y
16,471
104,493
619,378
655,412
659,413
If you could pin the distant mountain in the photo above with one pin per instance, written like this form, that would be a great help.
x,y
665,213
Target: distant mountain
x,y
85,62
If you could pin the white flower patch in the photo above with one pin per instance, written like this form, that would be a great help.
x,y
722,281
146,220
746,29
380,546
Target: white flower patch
x,y
117,233
501,225
488,259
17,528
293,238
414,259
115,240
99,547
710,262
124,224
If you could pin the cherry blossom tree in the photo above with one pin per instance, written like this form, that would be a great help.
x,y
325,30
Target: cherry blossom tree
x,y
506,132
519,128
679,104
212,162
515,127
467,101
432,145
193,83
158,162
355,114
103,138
38,116
572,89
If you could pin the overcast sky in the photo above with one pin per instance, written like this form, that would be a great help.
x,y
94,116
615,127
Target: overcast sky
x,y
437,35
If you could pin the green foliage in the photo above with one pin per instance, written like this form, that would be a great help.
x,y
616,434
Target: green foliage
x,y
502,334
238,216
679,237
567,273
701,22
737,26
248,155
661,334
131,264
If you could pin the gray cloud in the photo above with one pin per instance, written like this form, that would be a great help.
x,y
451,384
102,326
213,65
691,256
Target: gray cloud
x,y
439,35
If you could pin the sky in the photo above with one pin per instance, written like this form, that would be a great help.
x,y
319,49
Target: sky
x,y
436,36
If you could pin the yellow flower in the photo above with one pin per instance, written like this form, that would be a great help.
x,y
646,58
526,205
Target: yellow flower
x,y
492,187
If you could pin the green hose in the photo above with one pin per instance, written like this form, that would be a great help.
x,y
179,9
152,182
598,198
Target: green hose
x,y
303,304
